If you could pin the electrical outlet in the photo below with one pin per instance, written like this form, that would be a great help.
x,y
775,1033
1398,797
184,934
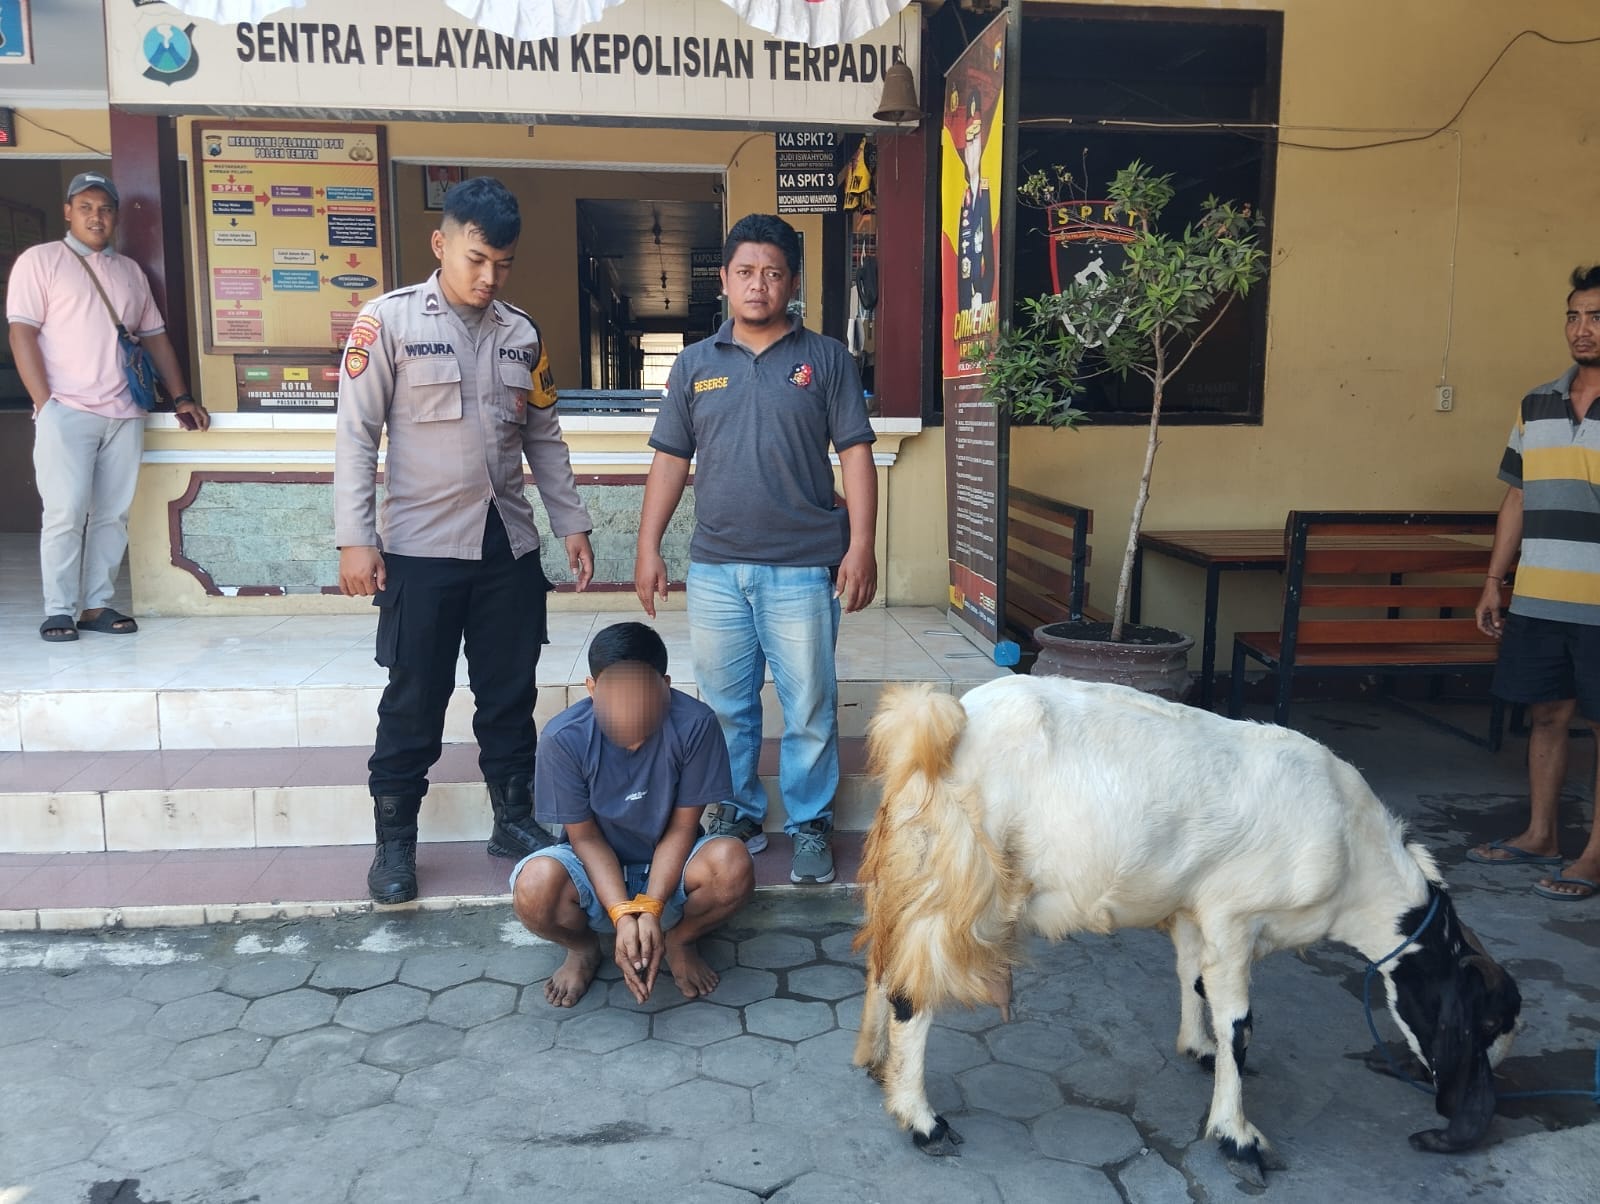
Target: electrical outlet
x,y
1444,398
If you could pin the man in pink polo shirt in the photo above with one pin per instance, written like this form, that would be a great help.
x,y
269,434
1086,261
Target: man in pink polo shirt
x,y
88,433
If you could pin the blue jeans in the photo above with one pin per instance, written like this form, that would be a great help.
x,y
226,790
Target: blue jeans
x,y
741,618
635,878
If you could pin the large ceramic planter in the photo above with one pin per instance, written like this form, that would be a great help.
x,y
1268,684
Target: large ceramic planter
x,y
1151,659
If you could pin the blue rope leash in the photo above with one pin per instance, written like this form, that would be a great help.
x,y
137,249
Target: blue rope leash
x,y
1383,1047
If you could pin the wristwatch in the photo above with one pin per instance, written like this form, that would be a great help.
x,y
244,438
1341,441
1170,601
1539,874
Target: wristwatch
x,y
182,397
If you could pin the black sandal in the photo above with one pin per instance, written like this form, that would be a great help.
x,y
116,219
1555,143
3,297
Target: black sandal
x,y
106,621
58,629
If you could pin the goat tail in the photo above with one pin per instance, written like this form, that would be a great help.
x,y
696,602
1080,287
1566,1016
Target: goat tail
x,y
941,899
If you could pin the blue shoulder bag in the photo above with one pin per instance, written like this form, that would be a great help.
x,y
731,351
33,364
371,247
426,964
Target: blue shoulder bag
x,y
137,366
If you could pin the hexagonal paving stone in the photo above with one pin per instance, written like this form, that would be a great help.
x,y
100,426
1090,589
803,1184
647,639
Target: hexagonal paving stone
x,y
439,1087
702,1024
1048,1047
601,1032
837,948
220,1053
196,1016
382,1007
848,1012
788,1019
267,976
1092,1136
663,995
776,951
758,1158
241,1093
291,1012
436,971
29,1022
473,1004
525,964
1035,1179
742,985
699,1106
127,1056
92,1024
154,1141
345,1089
819,1187
719,953
1013,1091
317,1049
427,1174
88,985
413,1047
950,1052
747,1061
130,1101
355,972
519,1035
177,982
650,1066
826,982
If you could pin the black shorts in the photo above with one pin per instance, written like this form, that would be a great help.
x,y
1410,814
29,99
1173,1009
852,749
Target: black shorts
x,y
1544,660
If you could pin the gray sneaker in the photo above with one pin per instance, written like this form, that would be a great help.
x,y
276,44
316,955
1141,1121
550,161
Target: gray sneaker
x,y
813,853
725,821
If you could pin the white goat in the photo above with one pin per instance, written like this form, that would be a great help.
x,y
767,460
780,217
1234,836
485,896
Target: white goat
x,y
1060,806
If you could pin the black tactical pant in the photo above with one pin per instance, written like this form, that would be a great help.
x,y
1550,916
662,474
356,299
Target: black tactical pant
x,y
426,609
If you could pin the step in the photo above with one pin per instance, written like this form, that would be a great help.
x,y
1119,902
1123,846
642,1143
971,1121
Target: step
x,y
275,681
167,800
96,891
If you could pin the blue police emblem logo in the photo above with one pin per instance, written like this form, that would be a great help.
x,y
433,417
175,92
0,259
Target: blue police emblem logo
x,y
170,52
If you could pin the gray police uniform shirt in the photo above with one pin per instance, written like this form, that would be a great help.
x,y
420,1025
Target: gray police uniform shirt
x,y
580,775
462,411
758,428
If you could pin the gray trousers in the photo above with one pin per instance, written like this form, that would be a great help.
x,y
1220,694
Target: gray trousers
x,y
87,468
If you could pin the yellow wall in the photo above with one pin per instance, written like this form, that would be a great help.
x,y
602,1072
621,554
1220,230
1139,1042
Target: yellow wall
x,y
1361,288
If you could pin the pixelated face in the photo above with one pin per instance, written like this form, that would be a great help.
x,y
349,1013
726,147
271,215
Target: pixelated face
x,y
471,272
630,702
92,218
759,284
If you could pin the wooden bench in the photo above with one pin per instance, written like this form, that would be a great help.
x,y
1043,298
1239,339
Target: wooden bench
x,y
1388,593
1047,552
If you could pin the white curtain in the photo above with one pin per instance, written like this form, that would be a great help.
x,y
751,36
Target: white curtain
x,y
815,22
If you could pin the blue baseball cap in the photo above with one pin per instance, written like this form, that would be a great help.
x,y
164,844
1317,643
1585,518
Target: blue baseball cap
x,y
86,180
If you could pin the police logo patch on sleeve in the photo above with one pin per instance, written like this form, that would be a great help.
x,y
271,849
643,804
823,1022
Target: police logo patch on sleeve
x,y
800,375
355,362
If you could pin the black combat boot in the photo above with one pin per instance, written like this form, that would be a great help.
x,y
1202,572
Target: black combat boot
x,y
516,833
393,876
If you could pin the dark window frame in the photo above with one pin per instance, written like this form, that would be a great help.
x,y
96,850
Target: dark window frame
x,y
1265,116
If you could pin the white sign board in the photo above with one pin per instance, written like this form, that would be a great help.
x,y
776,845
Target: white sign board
x,y
662,62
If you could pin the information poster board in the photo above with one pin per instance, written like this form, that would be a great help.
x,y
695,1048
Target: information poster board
x,y
970,210
287,382
294,227
807,167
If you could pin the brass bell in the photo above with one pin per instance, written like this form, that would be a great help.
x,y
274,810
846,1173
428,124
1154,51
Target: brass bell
x,y
899,101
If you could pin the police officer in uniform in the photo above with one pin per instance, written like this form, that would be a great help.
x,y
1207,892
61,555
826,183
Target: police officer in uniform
x,y
463,384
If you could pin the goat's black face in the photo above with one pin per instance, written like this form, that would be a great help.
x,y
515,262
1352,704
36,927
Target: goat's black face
x,y
1459,1009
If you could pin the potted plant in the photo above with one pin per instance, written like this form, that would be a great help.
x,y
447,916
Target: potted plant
x,y
1146,316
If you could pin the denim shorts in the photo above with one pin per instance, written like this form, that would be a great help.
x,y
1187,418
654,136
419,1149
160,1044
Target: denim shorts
x,y
635,878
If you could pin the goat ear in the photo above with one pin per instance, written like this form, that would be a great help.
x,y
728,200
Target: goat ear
x,y
1462,1079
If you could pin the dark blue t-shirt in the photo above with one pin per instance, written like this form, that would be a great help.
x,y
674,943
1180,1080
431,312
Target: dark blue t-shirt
x,y
580,775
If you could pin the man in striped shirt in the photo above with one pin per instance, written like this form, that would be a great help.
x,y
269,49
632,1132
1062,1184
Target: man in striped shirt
x,y
1550,640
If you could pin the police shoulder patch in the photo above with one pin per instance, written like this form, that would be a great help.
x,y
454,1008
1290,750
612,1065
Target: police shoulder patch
x,y
355,361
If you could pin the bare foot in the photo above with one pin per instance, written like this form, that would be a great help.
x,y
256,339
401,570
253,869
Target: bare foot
x,y
572,979
689,969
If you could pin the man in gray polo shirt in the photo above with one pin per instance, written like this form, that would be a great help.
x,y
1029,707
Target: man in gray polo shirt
x,y
772,558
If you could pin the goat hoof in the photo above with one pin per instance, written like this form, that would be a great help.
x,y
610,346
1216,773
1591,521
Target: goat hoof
x,y
1250,1163
1435,1141
1208,1062
941,1142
